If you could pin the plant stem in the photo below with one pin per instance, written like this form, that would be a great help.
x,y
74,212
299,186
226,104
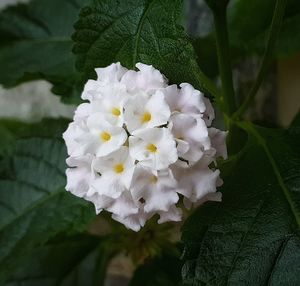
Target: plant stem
x,y
268,55
228,97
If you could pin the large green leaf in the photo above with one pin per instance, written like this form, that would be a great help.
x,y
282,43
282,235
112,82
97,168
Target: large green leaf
x,y
250,36
207,55
252,237
34,206
36,43
136,31
66,261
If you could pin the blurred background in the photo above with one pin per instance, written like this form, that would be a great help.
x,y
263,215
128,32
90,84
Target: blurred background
x,y
31,101
278,99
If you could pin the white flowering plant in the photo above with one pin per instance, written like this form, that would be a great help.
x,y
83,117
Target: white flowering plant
x,y
160,175
139,143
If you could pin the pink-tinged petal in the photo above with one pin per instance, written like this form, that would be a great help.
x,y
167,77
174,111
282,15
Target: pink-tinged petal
x,y
82,111
147,78
133,222
191,101
209,113
196,182
91,90
174,214
106,185
124,206
218,140
71,136
112,73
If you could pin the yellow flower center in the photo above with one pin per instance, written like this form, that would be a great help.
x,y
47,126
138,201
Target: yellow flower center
x,y
146,117
152,148
119,168
105,136
153,179
116,111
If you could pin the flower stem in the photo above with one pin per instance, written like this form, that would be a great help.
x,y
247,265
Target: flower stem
x,y
220,20
268,55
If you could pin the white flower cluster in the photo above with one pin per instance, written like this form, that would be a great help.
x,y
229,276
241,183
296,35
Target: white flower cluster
x,y
139,143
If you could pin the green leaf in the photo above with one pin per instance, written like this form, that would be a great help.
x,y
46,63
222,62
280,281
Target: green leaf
x,y
288,40
11,130
250,36
252,236
137,31
241,24
163,270
36,44
55,261
34,206
206,50
66,261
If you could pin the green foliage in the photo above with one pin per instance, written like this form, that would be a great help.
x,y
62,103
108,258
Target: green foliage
x,y
57,262
207,55
36,44
137,31
66,261
252,237
34,205
249,34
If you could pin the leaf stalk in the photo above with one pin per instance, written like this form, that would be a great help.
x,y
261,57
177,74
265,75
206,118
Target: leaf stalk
x,y
267,58
224,60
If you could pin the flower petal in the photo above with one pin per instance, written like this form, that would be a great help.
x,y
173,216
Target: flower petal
x,y
112,73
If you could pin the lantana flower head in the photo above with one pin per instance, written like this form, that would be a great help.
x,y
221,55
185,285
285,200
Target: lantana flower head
x,y
138,146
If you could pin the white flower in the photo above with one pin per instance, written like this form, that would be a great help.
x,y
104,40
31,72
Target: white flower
x,y
155,189
186,100
134,221
75,130
92,90
218,139
111,74
173,214
100,137
82,112
138,145
95,136
145,111
191,135
196,182
153,147
80,178
110,103
116,171
106,76
80,175
147,79
124,206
